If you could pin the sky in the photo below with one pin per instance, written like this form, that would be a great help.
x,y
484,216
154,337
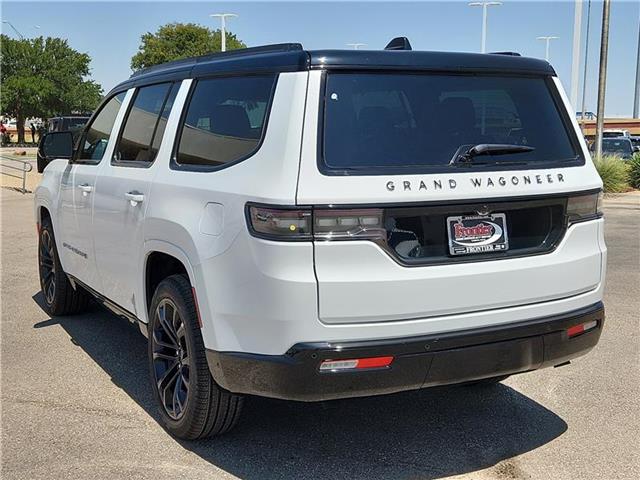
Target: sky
x,y
110,31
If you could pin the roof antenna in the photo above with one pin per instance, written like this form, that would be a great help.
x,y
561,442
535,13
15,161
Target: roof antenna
x,y
399,43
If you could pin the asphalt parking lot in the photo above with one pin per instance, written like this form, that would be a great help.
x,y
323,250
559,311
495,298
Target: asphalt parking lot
x,y
76,402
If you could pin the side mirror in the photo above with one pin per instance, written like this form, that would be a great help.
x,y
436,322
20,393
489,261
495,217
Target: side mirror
x,y
54,145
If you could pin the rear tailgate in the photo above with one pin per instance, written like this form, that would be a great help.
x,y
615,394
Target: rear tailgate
x,y
365,281
359,282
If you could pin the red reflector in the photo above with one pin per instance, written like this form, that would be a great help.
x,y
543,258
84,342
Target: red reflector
x,y
573,331
583,327
355,364
375,362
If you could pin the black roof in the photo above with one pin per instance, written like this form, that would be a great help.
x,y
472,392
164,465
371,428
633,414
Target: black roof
x,y
425,60
291,57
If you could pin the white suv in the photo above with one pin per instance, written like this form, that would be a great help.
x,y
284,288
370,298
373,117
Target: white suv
x,y
313,225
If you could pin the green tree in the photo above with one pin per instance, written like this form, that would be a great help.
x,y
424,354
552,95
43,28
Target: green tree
x,y
180,40
42,77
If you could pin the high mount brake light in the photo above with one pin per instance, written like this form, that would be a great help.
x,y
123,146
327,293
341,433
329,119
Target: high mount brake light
x,y
291,224
584,207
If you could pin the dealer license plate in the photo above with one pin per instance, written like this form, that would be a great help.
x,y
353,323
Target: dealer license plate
x,y
477,234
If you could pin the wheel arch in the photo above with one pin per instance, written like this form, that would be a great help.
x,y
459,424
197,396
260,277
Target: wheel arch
x,y
161,260
42,213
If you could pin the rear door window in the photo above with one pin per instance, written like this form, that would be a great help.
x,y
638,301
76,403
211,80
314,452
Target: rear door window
x,y
225,121
403,122
145,124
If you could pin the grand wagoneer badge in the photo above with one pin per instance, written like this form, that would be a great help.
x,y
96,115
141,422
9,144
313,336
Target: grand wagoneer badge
x,y
477,182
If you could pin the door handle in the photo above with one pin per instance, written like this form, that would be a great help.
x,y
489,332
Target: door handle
x,y
134,197
86,189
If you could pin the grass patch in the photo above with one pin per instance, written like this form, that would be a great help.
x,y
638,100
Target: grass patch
x,y
614,173
634,171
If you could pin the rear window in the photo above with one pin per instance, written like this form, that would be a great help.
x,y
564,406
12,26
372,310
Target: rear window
x,y
619,145
423,122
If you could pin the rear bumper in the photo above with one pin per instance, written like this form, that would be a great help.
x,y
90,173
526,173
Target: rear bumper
x,y
419,362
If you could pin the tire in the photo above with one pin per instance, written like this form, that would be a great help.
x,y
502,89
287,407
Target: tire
x,y
60,298
191,404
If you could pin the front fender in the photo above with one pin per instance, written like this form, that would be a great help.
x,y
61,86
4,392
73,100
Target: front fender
x,y
46,194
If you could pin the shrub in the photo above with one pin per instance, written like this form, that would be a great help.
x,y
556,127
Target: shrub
x,y
634,171
614,173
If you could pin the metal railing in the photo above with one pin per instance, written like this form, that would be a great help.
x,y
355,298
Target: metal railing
x,y
24,168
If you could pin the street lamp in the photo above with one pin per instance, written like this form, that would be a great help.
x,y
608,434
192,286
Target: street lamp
x,y
223,30
547,39
484,5
14,29
602,75
356,46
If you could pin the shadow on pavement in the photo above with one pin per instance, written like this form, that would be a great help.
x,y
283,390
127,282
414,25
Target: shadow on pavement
x,y
425,434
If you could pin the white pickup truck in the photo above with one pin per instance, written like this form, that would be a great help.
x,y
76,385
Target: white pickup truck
x,y
311,225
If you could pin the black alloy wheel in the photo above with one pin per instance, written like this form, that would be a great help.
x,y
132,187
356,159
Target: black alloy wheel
x,y
190,402
61,297
171,359
46,260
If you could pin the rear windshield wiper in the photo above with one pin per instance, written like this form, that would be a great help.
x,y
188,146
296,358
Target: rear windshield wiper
x,y
466,154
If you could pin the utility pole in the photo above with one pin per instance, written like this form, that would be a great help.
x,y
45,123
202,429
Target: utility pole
x,y
484,5
586,61
575,65
602,75
223,29
356,46
636,95
547,39
14,29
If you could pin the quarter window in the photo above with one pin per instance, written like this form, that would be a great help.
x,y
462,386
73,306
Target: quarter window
x,y
225,120
96,137
145,124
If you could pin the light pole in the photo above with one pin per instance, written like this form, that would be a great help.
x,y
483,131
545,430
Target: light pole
x,y
547,39
356,46
636,95
602,76
484,5
586,62
14,29
223,30
575,63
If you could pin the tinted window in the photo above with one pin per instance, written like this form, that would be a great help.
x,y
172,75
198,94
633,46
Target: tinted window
x,y
225,120
618,145
395,121
145,124
76,123
96,138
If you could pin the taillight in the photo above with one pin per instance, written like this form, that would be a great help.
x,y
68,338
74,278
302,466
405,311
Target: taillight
x,y
275,223
298,224
363,224
584,207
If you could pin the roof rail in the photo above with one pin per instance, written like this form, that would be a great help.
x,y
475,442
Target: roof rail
x,y
511,54
399,43
241,52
